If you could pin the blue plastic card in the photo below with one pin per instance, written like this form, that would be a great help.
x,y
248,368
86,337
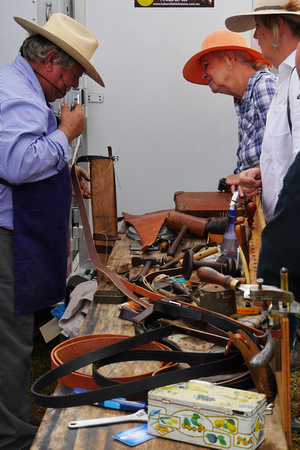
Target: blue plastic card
x,y
134,436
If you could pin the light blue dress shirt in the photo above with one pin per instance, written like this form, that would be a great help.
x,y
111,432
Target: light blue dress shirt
x,y
31,146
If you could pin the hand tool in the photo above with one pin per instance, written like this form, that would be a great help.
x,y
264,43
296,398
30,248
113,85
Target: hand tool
x,y
240,231
164,246
148,261
239,212
139,416
117,403
178,288
203,253
189,264
175,244
251,208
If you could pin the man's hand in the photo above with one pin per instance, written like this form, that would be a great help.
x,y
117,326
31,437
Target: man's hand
x,y
72,122
82,174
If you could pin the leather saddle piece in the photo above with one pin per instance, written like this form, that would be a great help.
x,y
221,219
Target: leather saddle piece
x,y
147,225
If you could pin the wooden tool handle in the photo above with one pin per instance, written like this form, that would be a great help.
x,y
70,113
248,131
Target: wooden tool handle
x,y
212,276
251,208
173,249
204,253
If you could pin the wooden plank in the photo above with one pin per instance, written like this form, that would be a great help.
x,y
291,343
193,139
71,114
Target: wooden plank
x,y
255,242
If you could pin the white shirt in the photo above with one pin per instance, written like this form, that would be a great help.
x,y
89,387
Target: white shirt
x,y
280,145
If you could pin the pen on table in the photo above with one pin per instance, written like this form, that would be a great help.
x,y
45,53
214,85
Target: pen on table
x,y
116,403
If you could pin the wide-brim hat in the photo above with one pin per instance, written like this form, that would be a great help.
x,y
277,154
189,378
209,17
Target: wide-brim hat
x,y
245,22
70,36
218,40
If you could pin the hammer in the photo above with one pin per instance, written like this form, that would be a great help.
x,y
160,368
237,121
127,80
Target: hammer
x,y
148,261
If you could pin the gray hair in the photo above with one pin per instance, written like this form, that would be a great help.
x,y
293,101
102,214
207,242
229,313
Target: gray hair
x,y
245,58
35,48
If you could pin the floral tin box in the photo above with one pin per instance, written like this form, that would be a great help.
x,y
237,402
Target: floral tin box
x,y
203,413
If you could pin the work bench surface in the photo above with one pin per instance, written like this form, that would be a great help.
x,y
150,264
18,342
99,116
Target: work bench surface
x,y
54,433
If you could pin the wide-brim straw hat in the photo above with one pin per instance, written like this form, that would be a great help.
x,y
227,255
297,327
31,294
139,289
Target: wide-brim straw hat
x,y
70,36
218,40
244,22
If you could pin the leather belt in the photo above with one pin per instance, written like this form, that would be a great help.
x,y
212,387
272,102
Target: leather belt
x,y
80,345
203,365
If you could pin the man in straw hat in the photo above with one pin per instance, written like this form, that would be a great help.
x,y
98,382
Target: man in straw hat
x,y
35,198
228,65
277,24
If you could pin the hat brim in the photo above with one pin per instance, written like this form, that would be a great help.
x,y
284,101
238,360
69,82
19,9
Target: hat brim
x,y
246,22
33,28
193,70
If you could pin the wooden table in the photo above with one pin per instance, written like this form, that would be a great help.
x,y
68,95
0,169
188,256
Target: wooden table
x,y
54,433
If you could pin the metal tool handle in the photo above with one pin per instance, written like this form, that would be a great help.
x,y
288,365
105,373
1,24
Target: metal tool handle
x,y
139,416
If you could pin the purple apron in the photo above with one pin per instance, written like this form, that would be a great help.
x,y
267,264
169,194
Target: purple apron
x,y
41,213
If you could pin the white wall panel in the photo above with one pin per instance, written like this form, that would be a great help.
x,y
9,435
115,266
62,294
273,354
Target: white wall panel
x,y
11,34
169,134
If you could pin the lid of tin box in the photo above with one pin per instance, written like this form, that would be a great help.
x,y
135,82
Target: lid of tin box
x,y
204,395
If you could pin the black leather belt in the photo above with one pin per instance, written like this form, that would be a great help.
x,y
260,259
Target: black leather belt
x,y
122,351
202,364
